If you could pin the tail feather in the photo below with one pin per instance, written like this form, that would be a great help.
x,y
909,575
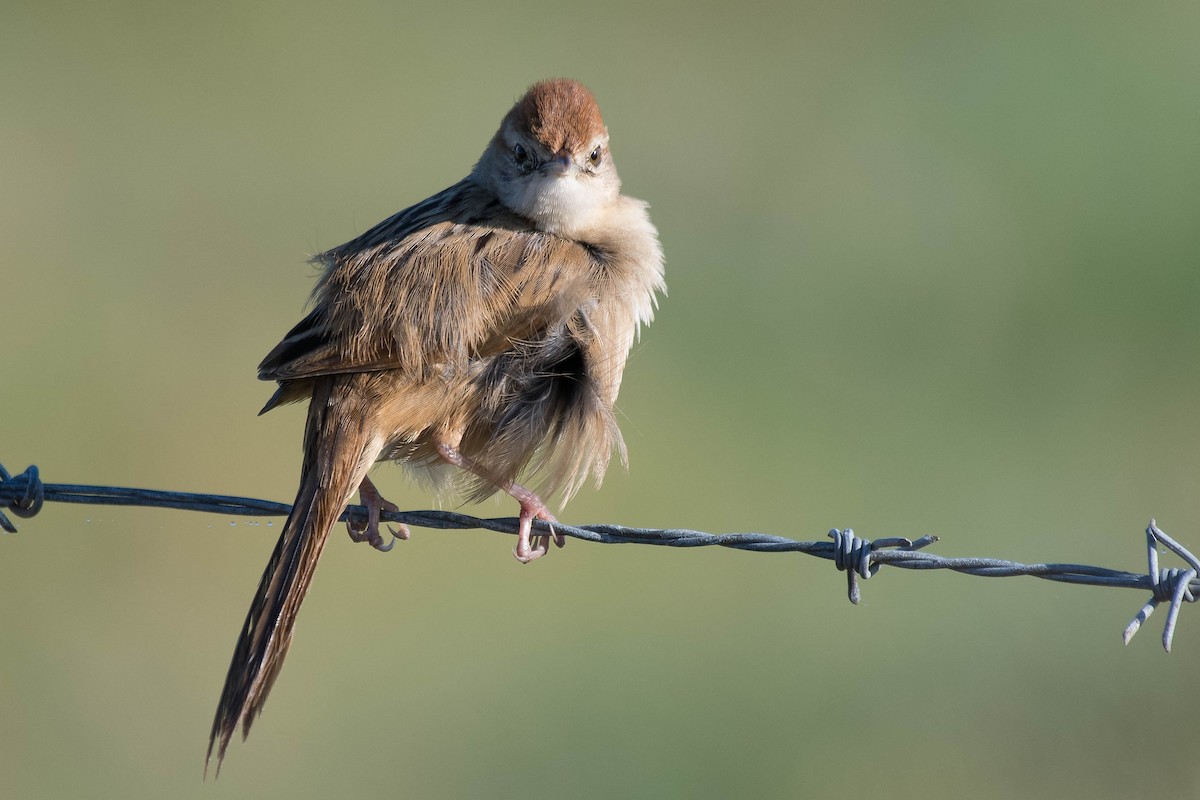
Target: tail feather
x,y
337,453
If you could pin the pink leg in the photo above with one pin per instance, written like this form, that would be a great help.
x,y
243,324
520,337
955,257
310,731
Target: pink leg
x,y
373,500
529,547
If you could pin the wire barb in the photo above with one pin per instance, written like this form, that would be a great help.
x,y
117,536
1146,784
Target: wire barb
x,y
1171,585
27,496
860,558
854,555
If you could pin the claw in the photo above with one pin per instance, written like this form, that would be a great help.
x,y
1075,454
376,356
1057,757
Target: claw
x,y
370,532
531,547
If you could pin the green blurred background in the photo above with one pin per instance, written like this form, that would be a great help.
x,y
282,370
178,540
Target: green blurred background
x,y
932,267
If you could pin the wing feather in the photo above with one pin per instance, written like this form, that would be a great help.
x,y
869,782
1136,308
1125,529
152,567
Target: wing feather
x,y
453,278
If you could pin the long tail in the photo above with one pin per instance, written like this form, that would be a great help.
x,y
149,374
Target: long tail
x,y
338,451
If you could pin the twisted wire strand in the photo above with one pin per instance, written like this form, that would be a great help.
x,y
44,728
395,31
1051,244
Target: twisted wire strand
x,y
25,494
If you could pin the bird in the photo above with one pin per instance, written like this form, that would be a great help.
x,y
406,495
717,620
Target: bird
x,y
477,338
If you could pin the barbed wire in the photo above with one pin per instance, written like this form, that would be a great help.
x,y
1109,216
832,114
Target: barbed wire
x,y
25,494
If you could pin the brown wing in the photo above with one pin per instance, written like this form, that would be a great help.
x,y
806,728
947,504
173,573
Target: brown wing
x,y
450,279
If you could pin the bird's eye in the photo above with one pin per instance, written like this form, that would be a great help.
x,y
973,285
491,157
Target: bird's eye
x,y
519,154
594,157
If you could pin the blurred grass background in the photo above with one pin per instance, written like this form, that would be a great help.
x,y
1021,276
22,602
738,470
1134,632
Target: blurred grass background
x,y
933,269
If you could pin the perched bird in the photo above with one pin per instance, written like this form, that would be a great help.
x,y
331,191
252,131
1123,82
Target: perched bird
x,y
475,337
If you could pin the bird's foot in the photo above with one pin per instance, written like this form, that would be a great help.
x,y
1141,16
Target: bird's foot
x,y
529,547
532,546
373,500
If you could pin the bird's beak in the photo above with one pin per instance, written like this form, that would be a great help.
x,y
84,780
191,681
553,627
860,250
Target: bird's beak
x,y
559,164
